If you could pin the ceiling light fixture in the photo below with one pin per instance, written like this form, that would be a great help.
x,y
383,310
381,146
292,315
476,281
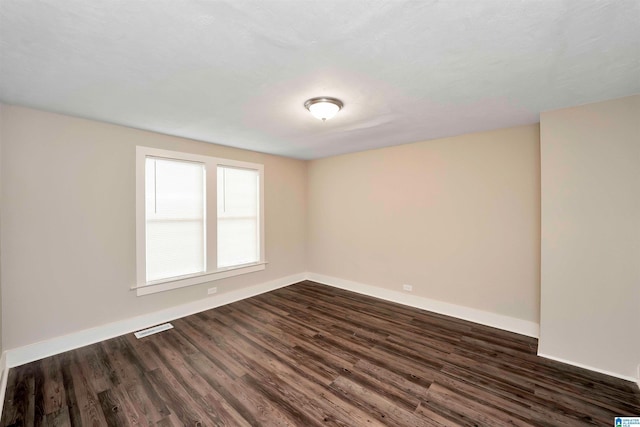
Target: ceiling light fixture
x,y
323,107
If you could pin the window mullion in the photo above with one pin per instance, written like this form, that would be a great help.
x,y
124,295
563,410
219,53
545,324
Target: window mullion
x,y
211,213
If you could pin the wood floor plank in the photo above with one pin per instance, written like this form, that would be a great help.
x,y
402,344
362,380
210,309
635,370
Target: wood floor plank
x,y
58,418
178,400
112,410
432,418
463,407
534,410
169,421
16,397
203,335
139,400
82,396
122,407
374,403
218,409
411,389
145,358
53,388
604,395
65,360
249,402
313,355
141,392
319,364
317,368
383,389
299,384
96,367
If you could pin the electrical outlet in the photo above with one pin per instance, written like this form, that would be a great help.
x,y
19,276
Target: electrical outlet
x,y
407,288
212,291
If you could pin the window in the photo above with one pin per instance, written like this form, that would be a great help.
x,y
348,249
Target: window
x,y
238,206
198,219
174,218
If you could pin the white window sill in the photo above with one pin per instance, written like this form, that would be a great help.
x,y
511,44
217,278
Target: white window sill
x,y
181,282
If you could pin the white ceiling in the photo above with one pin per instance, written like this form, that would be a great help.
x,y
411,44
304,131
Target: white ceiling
x,y
238,72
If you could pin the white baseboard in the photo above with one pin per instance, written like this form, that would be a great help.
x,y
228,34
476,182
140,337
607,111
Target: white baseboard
x,y
29,353
591,368
499,321
4,375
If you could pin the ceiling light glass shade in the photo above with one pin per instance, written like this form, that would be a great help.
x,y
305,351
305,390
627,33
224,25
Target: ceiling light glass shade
x,y
323,108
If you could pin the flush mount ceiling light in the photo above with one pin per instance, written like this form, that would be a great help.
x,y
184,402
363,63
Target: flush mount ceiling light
x,y
323,107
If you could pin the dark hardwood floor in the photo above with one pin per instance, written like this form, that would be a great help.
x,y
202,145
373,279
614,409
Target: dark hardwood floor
x,y
311,355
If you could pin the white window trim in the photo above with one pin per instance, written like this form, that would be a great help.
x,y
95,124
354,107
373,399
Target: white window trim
x,y
143,287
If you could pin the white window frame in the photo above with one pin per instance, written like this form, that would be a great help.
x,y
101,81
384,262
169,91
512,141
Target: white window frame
x,y
143,287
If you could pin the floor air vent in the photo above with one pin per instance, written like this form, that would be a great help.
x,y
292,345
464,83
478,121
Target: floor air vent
x,y
146,332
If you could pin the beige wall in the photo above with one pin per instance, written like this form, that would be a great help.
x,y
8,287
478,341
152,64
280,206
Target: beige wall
x,y
457,218
68,223
591,235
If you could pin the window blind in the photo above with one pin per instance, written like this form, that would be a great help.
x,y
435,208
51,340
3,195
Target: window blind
x,y
175,218
238,216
